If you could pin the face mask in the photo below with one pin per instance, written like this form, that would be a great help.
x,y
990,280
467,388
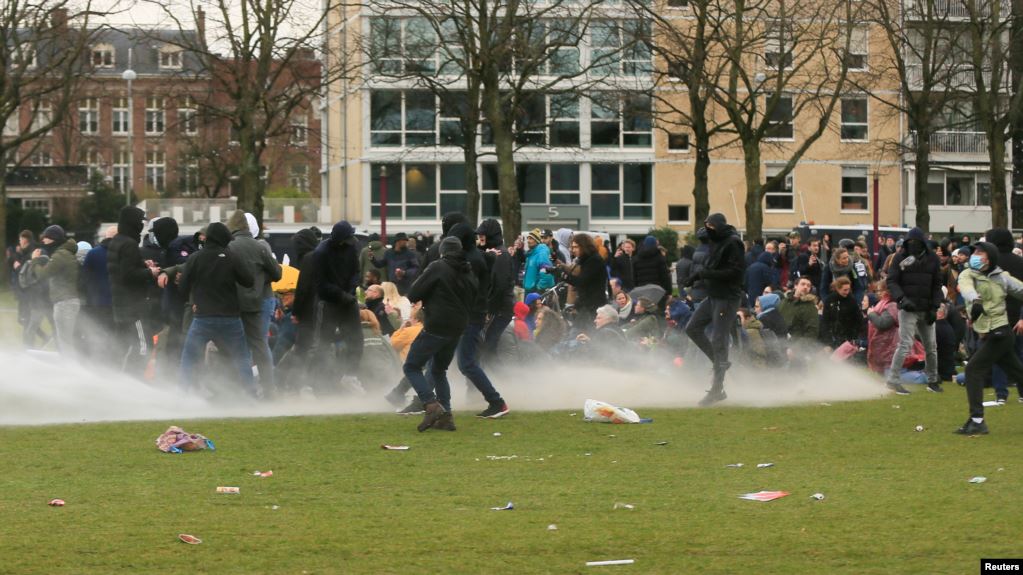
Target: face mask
x,y
976,263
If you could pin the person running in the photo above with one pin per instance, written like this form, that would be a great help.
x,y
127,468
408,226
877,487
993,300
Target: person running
x,y
984,287
722,274
447,289
55,265
130,279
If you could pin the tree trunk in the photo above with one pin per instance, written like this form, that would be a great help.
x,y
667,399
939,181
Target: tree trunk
x,y
922,167
3,220
472,184
701,184
504,145
999,194
754,191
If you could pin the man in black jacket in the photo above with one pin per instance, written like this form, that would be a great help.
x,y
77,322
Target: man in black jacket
x,y
1013,265
722,275
334,275
130,279
469,345
914,281
501,299
447,289
210,277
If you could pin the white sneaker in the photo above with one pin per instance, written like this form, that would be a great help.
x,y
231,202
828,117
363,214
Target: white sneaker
x,y
352,384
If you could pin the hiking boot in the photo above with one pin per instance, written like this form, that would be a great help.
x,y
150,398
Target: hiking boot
x,y
713,396
414,408
494,411
446,422
973,428
395,398
434,411
935,386
899,390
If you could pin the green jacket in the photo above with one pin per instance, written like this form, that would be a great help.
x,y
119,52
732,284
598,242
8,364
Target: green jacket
x,y
373,249
645,326
801,316
60,271
991,288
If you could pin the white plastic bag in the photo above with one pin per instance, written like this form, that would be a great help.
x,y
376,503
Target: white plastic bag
x,y
606,413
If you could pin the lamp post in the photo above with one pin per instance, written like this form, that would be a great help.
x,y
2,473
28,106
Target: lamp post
x,y
383,204
877,209
129,76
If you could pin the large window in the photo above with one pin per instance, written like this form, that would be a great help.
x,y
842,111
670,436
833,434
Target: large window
x,y
854,189
120,170
621,191
156,170
564,129
120,121
779,120
188,177
536,183
88,116
403,45
36,204
103,56
403,118
12,126
621,122
856,57
949,188
620,48
170,58
188,118
778,196
298,178
155,117
411,191
778,44
854,118
299,131
42,115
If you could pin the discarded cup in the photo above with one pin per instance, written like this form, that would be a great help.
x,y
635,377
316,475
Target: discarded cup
x,y
763,465
497,434
919,428
190,539
234,490
508,507
978,479
56,503
395,447
818,496
624,506
661,443
552,527
613,562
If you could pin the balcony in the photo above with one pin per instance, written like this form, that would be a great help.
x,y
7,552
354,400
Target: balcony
x,y
957,143
960,80
952,10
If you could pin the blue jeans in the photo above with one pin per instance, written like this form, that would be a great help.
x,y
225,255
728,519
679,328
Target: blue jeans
x,y
439,349
256,325
998,379
229,335
469,365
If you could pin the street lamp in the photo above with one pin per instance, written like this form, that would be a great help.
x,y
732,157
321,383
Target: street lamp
x,y
383,204
129,76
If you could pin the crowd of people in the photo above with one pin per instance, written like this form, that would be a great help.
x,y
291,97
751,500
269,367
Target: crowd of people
x,y
218,306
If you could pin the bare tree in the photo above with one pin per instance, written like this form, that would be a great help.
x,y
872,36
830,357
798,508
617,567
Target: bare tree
x,y
786,68
267,61
43,57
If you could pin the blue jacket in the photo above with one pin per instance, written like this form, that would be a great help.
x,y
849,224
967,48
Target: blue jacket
x,y
535,258
760,275
95,278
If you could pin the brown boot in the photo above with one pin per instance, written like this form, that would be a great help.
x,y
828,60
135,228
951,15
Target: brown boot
x,y
434,411
446,422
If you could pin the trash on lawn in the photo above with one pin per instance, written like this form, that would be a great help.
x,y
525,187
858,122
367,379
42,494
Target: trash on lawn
x,y
763,465
497,457
587,454
263,473
613,562
177,440
978,479
734,465
508,507
919,428
56,503
764,495
818,496
396,447
661,443
612,436
234,490
992,404
624,506
190,539
552,527
497,434
601,412
275,507
896,407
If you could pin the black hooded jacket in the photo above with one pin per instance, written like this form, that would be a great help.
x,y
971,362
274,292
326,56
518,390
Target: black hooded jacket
x,y
915,283
304,242
1010,263
129,276
650,267
501,299
447,221
465,234
447,287
725,268
591,283
212,274
333,269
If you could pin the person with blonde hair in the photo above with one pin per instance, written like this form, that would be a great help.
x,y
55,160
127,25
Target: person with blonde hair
x,y
396,301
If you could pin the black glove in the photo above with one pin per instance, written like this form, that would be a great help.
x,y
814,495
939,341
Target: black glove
x,y
931,317
907,305
692,279
976,310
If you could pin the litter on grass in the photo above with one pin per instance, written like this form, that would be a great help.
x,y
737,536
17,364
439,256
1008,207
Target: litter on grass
x,y
993,404
508,507
177,440
763,465
624,506
56,503
229,490
818,496
661,443
734,465
919,428
552,527
497,434
978,479
764,496
613,562
395,447
601,412
263,473
190,539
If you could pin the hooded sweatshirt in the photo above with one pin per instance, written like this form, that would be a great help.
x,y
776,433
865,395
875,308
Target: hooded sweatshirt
x,y
447,289
334,268
59,271
522,330
129,276
914,279
259,260
725,267
212,274
501,298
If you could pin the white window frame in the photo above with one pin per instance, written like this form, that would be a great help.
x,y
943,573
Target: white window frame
x,y
120,117
399,63
299,131
854,172
553,120
88,116
620,64
791,121
43,115
156,170
298,177
103,56
620,192
859,46
42,157
620,119
188,180
403,130
12,125
864,124
188,117
171,58
404,203
156,116
686,150
778,44
120,170
39,204
788,189
28,55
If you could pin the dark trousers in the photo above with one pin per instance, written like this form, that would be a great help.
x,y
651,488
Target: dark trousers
x,y
257,324
341,323
996,348
998,379
719,313
469,365
134,347
439,349
493,333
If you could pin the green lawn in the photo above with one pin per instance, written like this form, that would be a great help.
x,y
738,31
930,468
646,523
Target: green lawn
x,y
897,501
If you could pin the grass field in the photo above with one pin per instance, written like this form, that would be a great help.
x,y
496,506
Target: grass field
x,y
897,500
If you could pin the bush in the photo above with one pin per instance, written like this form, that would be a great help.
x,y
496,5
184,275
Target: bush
x,y
668,238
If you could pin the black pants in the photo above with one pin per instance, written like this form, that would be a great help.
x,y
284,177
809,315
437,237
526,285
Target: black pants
x,y
719,313
134,347
995,348
342,323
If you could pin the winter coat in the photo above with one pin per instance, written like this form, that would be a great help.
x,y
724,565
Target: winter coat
x,y
257,256
550,328
212,274
642,326
841,321
698,291
725,268
522,331
388,321
650,267
58,271
622,268
406,260
759,276
590,284
334,272
304,242
130,279
805,269
915,283
536,257
800,315
1010,263
372,250
882,334
501,298
401,340
467,236
992,289
774,321
94,277
947,346
447,289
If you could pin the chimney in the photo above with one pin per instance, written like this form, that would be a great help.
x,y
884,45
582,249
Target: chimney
x,y
200,25
59,18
